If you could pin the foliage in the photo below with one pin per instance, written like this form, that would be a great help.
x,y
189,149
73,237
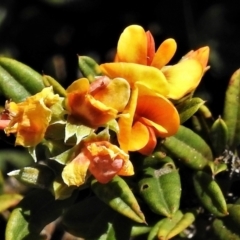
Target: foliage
x,y
125,151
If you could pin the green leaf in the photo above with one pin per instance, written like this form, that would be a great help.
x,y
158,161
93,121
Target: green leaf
x,y
187,108
156,160
57,87
9,200
167,228
33,213
217,167
39,176
89,68
231,113
189,148
17,80
161,189
119,196
210,194
219,136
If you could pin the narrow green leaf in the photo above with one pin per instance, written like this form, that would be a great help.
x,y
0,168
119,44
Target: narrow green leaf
x,y
18,223
119,196
189,148
187,108
231,113
25,76
223,233
186,220
33,213
161,189
57,87
89,68
210,194
39,176
11,88
219,136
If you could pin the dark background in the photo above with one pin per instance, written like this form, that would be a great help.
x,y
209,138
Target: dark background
x,y
48,35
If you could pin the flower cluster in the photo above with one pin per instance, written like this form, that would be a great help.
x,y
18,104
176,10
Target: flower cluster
x,y
126,108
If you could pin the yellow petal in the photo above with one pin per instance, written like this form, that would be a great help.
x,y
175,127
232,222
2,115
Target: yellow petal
x,y
132,45
139,137
148,76
75,172
125,123
115,95
127,169
164,53
183,77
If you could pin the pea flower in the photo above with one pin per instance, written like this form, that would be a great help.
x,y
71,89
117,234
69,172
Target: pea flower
x,y
103,160
97,103
151,116
137,61
30,119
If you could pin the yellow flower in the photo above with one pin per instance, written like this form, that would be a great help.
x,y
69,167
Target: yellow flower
x,y
151,116
137,61
30,119
103,160
97,103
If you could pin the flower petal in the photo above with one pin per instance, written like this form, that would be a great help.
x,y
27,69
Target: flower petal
x,y
125,123
159,113
139,137
150,47
115,95
152,142
127,169
183,77
146,75
132,45
75,172
164,53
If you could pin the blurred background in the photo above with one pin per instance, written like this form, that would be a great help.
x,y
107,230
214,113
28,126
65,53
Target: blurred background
x,y
48,34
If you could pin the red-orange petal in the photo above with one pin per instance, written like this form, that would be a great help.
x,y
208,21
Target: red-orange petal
x,y
150,47
160,111
164,53
132,45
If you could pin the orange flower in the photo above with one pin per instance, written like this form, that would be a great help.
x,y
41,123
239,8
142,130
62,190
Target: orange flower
x,y
151,116
103,159
137,61
30,119
96,104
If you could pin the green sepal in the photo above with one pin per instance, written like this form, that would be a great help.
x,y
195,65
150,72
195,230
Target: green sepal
x,y
161,189
189,148
17,80
231,113
210,194
89,68
57,87
219,136
217,167
119,196
188,107
39,176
